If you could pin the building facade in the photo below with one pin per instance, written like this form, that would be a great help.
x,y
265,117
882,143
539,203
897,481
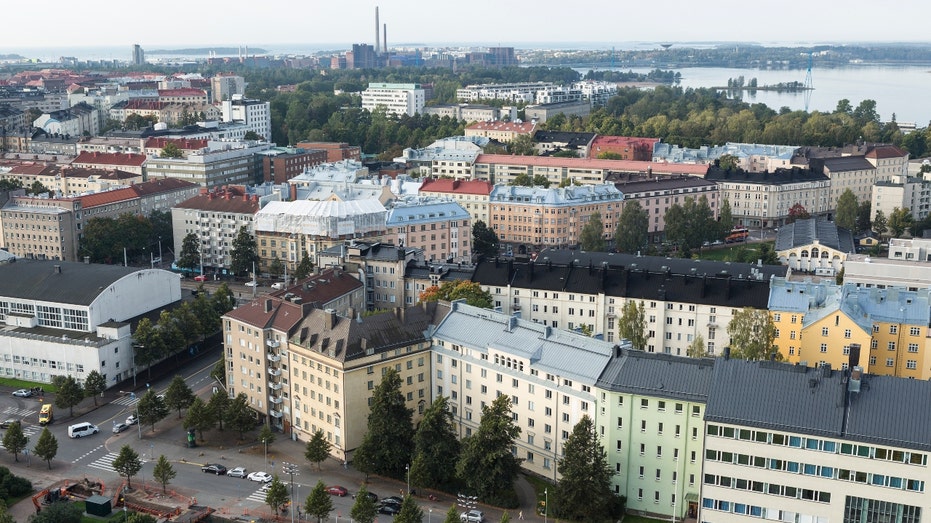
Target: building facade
x,y
764,199
215,216
441,229
397,99
472,195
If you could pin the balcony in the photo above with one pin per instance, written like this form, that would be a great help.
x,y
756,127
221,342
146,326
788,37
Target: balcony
x,y
274,372
275,413
273,343
274,358
275,400
274,386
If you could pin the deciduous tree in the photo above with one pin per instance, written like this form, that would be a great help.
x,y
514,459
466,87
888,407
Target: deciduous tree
x,y
47,446
244,254
363,510
152,409
69,393
846,213
436,447
798,212
317,449
696,349
410,511
179,395
127,464
318,503
486,464
633,323
217,407
94,384
388,443
164,472
484,240
14,441
277,494
147,344
900,220
198,417
880,225
451,290
632,228
584,490
753,334
592,236
189,257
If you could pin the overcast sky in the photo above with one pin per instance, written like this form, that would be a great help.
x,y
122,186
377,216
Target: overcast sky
x,y
175,23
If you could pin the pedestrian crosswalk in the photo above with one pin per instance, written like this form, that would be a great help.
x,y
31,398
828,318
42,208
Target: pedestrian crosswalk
x,y
104,462
127,401
29,431
258,496
13,411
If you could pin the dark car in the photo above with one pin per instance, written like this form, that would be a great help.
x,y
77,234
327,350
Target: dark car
x,y
214,468
393,500
389,508
371,495
5,424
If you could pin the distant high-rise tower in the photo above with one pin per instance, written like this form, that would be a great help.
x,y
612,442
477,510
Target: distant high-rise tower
x,y
138,55
377,27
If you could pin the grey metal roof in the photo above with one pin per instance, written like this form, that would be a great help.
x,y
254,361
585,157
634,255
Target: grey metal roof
x,y
658,374
890,411
657,263
805,232
77,283
555,351
777,396
848,163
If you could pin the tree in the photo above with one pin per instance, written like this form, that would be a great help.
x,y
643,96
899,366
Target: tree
x,y
14,441
304,268
728,162
171,333
900,221
163,472
147,344
584,491
5,516
798,212
633,323
318,503
59,512
363,510
317,449
846,213
94,384
266,436
239,416
179,395
436,447
37,188
277,494
484,240
486,464
47,446
388,443
151,408
880,225
696,349
189,258
171,150
198,417
725,220
632,228
410,511
452,515
275,267
522,145
217,407
127,464
451,290
223,300
244,254
863,216
753,334
592,235
252,135
69,392
505,517
218,372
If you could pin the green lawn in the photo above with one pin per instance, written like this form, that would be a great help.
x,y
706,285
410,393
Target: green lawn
x,y
641,519
23,384
732,253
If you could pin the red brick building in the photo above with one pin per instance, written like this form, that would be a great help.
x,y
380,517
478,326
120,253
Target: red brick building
x,y
336,151
283,163
628,147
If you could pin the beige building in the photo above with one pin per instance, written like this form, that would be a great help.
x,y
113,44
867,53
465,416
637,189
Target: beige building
x,y
472,195
901,192
814,245
763,199
335,362
500,131
380,266
441,229
503,168
215,217
255,339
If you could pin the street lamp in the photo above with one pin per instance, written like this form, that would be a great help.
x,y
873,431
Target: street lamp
x,y
408,468
291,470
265,442
430,516
546,503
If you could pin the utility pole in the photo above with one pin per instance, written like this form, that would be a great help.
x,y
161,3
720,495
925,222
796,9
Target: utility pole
x,y
291,469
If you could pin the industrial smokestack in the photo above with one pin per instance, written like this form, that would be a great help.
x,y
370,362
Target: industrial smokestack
x,y
384,35
377,27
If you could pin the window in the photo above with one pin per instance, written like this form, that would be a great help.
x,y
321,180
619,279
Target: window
x,y
824,331
893,329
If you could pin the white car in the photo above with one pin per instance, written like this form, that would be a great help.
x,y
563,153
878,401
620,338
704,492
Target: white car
x,y
132,420
22,393
278,285
262,477
252,284
472,516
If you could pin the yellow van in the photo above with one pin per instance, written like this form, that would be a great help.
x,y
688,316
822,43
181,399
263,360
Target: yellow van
x,y
45,415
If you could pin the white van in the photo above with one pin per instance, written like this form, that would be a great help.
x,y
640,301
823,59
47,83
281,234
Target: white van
x,y
80,430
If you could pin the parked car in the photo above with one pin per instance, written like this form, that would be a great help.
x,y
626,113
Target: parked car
x,y
238,472
214,468
132,420
22,393
278,285
337,490
200,277
472,516
119,427
252,284
263,477
389,508
371,495
5,424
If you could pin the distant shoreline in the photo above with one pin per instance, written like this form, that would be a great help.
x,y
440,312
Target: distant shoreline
x,y
208,50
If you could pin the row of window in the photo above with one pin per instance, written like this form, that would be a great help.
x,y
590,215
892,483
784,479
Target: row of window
x,y
773,514
772,489
849,449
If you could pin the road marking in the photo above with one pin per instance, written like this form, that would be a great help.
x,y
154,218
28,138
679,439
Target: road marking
x,y
104,463
257,496
19,412
127,400
88,453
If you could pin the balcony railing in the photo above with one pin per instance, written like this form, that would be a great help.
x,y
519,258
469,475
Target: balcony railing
x,y
273,343
274,386
274,358
275,413
275,400
274,372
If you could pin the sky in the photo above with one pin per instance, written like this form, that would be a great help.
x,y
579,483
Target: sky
x,y
172,24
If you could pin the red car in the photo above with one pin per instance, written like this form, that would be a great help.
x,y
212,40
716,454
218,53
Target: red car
x,y
337,490
200,277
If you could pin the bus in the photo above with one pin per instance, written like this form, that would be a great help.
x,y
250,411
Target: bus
x,y
737,234
45,415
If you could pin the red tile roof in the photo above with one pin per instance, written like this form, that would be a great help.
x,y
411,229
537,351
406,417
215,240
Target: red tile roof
x,y
95,158
446,185
148,105
232,199
33,169
181,92
161,185
886,151
587,163
620,141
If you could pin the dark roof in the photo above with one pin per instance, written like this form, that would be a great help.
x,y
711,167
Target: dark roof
x,y
658,374
632,183
572,140
346,339
777,396
805,232
777,177
816,401
848,163
734,289
446,271
655,263
371,251
77,283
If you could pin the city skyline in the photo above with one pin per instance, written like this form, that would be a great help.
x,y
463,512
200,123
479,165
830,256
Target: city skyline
x,y
481,22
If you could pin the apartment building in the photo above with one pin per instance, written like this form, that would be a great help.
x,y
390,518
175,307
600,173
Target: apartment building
x,y
127,162
515,92
67,318
814,245
224,162
792,443
656,194
441,229
336,151
901,192
336,362
280,164
543,112
682,299
625,147
420,277
215,217
500,131
472,195
66,180
396,99
186,146
650,411
824,323
548,142
255,340
503,168
255,114
79,120
380,266
224,85
473,112
183,95
549,375
763,199
447,158
531,217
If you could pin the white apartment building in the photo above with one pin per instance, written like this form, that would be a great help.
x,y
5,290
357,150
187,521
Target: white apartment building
x,y
215,217
224,86
224,162
396,99
763,199
902,192
255,114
